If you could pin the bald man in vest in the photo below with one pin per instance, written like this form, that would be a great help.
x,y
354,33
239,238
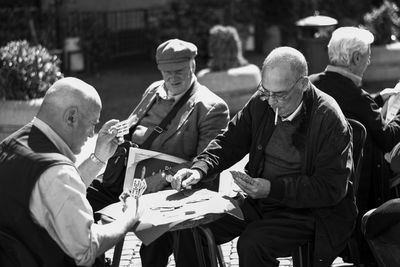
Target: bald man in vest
x,y
43,194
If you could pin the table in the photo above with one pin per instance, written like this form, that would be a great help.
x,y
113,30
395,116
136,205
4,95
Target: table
x,y
207,212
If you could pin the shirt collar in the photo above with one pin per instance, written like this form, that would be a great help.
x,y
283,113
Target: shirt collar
x,y
294,113
54,138
162,93
343,71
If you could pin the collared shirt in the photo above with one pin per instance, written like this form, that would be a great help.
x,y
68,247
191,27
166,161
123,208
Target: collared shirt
x,y
163,93
343,71
294,113
58,203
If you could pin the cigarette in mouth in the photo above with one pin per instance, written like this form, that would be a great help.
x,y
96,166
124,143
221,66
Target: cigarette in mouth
x,y
276,115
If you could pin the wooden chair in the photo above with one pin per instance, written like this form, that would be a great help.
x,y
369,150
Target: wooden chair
x,y
13,253
303,257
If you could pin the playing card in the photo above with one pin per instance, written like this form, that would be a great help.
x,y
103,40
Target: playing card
x,y
138,187
242,176
122,128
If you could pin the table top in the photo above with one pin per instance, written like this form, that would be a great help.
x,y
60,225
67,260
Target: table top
x,y
170,210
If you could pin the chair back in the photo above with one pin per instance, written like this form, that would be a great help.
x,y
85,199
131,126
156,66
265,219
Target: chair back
x,y
359,136
13,253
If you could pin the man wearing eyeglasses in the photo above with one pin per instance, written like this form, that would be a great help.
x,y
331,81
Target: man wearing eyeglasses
x,y
300,164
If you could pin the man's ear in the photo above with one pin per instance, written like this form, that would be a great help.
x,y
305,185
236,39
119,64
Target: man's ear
x,y
71,116
356,58
193,66
304,82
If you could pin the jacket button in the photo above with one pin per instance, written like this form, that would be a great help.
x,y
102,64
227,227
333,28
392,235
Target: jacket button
x,y
259,147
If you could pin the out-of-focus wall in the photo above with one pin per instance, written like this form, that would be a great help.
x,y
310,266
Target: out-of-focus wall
x,y
104,5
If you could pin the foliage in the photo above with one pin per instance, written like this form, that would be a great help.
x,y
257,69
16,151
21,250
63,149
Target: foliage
x,y
187,20
384,23
26,71
345,11
28,23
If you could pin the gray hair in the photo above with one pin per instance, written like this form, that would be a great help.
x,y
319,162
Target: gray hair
x,y
345,41
287,55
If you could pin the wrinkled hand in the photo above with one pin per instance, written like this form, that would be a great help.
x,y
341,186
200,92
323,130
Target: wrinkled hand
x,y
107,142
259,188
185,178
156,183
388,92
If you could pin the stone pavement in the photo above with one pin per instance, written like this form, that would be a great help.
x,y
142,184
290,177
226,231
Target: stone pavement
x,y
130,254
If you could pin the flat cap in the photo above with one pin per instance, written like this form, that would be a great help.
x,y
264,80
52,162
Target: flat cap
x,y
174,54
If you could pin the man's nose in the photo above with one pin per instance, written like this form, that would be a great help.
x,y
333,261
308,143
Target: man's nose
x,y
272,100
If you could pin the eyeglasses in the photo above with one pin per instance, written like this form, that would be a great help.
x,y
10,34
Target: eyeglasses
x,y
279,96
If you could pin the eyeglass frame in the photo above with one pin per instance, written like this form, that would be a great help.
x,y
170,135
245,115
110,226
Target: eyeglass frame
x,y
268,94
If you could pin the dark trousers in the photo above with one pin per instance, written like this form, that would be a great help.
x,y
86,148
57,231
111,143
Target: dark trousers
x,y
156,254
382,230
99,197
263,235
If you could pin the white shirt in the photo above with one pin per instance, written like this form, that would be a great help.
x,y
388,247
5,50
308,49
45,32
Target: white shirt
x,y
58,203
294,113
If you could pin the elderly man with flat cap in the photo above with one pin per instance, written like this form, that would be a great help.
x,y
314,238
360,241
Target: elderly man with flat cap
x,y
202,115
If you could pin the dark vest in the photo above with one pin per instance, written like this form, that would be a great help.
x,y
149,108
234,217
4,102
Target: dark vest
x,y
24,156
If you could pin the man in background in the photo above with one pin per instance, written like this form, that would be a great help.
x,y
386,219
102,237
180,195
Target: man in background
x,y
349,51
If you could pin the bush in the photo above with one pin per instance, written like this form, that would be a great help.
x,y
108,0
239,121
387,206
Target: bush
x,y
384,23
26,72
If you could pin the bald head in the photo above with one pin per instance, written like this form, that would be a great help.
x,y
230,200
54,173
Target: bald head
x,y
67,103
289,57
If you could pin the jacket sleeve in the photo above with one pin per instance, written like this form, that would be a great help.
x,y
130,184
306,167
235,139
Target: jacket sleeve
x,y
331,168
368,113
229,147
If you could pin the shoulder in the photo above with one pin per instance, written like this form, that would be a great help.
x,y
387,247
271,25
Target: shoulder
x,y
328,79
326,106
201,94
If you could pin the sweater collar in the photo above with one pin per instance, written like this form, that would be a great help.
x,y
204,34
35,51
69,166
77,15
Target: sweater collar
x,y
357,80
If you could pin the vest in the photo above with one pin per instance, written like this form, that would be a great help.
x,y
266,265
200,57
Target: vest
x,y
24,156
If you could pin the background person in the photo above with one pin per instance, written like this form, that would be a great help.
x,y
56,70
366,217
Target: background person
x,y
299,168
44,195
349,55
202,117
229,74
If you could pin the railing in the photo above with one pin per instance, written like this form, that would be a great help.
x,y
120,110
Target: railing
x,y
126,32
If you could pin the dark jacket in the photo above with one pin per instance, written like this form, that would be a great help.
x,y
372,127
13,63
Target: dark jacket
x,y
359,105
24,156
326,170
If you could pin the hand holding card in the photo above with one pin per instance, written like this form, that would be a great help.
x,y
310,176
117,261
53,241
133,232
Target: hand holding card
x,y
236,175
122,128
